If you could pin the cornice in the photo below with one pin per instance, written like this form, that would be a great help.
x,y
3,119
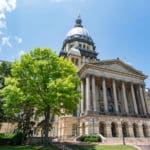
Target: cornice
x,y
98,68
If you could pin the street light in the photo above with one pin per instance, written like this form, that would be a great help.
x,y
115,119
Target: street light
x,y
93,124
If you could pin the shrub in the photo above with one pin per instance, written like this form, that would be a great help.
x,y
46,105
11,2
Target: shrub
x,y
90,138
17,139
10,139
82,137
5,139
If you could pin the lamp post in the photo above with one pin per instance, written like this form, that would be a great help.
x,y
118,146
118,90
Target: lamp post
x,y
93,124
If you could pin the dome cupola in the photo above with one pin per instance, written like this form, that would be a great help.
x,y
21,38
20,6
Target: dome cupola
x,y
79,38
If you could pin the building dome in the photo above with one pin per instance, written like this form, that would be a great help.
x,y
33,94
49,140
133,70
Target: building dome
x,y
78,38
79,32
74,51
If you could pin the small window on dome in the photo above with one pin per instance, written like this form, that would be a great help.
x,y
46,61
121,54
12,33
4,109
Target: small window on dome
x,y
80,45
71,45
83,45
76,62
72,59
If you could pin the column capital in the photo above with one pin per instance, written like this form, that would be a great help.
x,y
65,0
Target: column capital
x,y
103,78
87,75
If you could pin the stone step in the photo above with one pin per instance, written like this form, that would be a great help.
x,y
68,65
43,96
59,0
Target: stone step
x,y
144,147
135,141
62,146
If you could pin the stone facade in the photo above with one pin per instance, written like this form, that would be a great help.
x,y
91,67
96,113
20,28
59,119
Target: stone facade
x,y
114,102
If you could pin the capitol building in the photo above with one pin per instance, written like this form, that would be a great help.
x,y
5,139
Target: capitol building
x,y
114,102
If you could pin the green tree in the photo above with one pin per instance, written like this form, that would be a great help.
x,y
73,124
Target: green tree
x,y
43,81
5,68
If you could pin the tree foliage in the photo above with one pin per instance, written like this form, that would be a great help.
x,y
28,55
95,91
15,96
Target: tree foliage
x,y
5,68
43,81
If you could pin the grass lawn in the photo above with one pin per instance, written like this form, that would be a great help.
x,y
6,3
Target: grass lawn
x,y
103,147
75,147
115,147
28,148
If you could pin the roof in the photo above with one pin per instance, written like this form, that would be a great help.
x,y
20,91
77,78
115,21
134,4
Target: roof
x,y
115,66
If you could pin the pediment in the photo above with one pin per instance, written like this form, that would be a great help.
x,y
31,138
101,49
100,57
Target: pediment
x,y
118,66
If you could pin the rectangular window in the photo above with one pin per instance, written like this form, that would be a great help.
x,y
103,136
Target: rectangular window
x,y
74,130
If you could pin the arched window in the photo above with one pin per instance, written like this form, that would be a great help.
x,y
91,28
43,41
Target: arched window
x,y
135,128
83,128
74,130
145,130
102,129
114,129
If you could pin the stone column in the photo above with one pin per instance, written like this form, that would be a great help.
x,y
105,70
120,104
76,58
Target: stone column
x,y
140,130
119,130
94,94
130,128
134,100
146,101
108,130
115,96
104,95
88,104
142,100
148,130
82,97
125,98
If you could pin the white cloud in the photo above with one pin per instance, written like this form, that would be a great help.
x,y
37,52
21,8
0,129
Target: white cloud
x,y
6,6
2,24
21,52
2,16
18,39
6,41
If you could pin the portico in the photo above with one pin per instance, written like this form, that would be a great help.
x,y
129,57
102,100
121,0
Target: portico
x,y
105,94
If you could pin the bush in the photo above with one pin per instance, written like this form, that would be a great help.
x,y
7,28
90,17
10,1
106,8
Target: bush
x,y
10,139
17,139
90,138
5,139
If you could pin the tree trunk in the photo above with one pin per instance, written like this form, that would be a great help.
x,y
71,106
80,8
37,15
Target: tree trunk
x,y
46,126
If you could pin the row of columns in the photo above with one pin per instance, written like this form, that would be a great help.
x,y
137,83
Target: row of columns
x,y
119,129
86,88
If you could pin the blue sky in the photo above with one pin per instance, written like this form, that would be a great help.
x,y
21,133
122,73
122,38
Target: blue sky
x,y
119,28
